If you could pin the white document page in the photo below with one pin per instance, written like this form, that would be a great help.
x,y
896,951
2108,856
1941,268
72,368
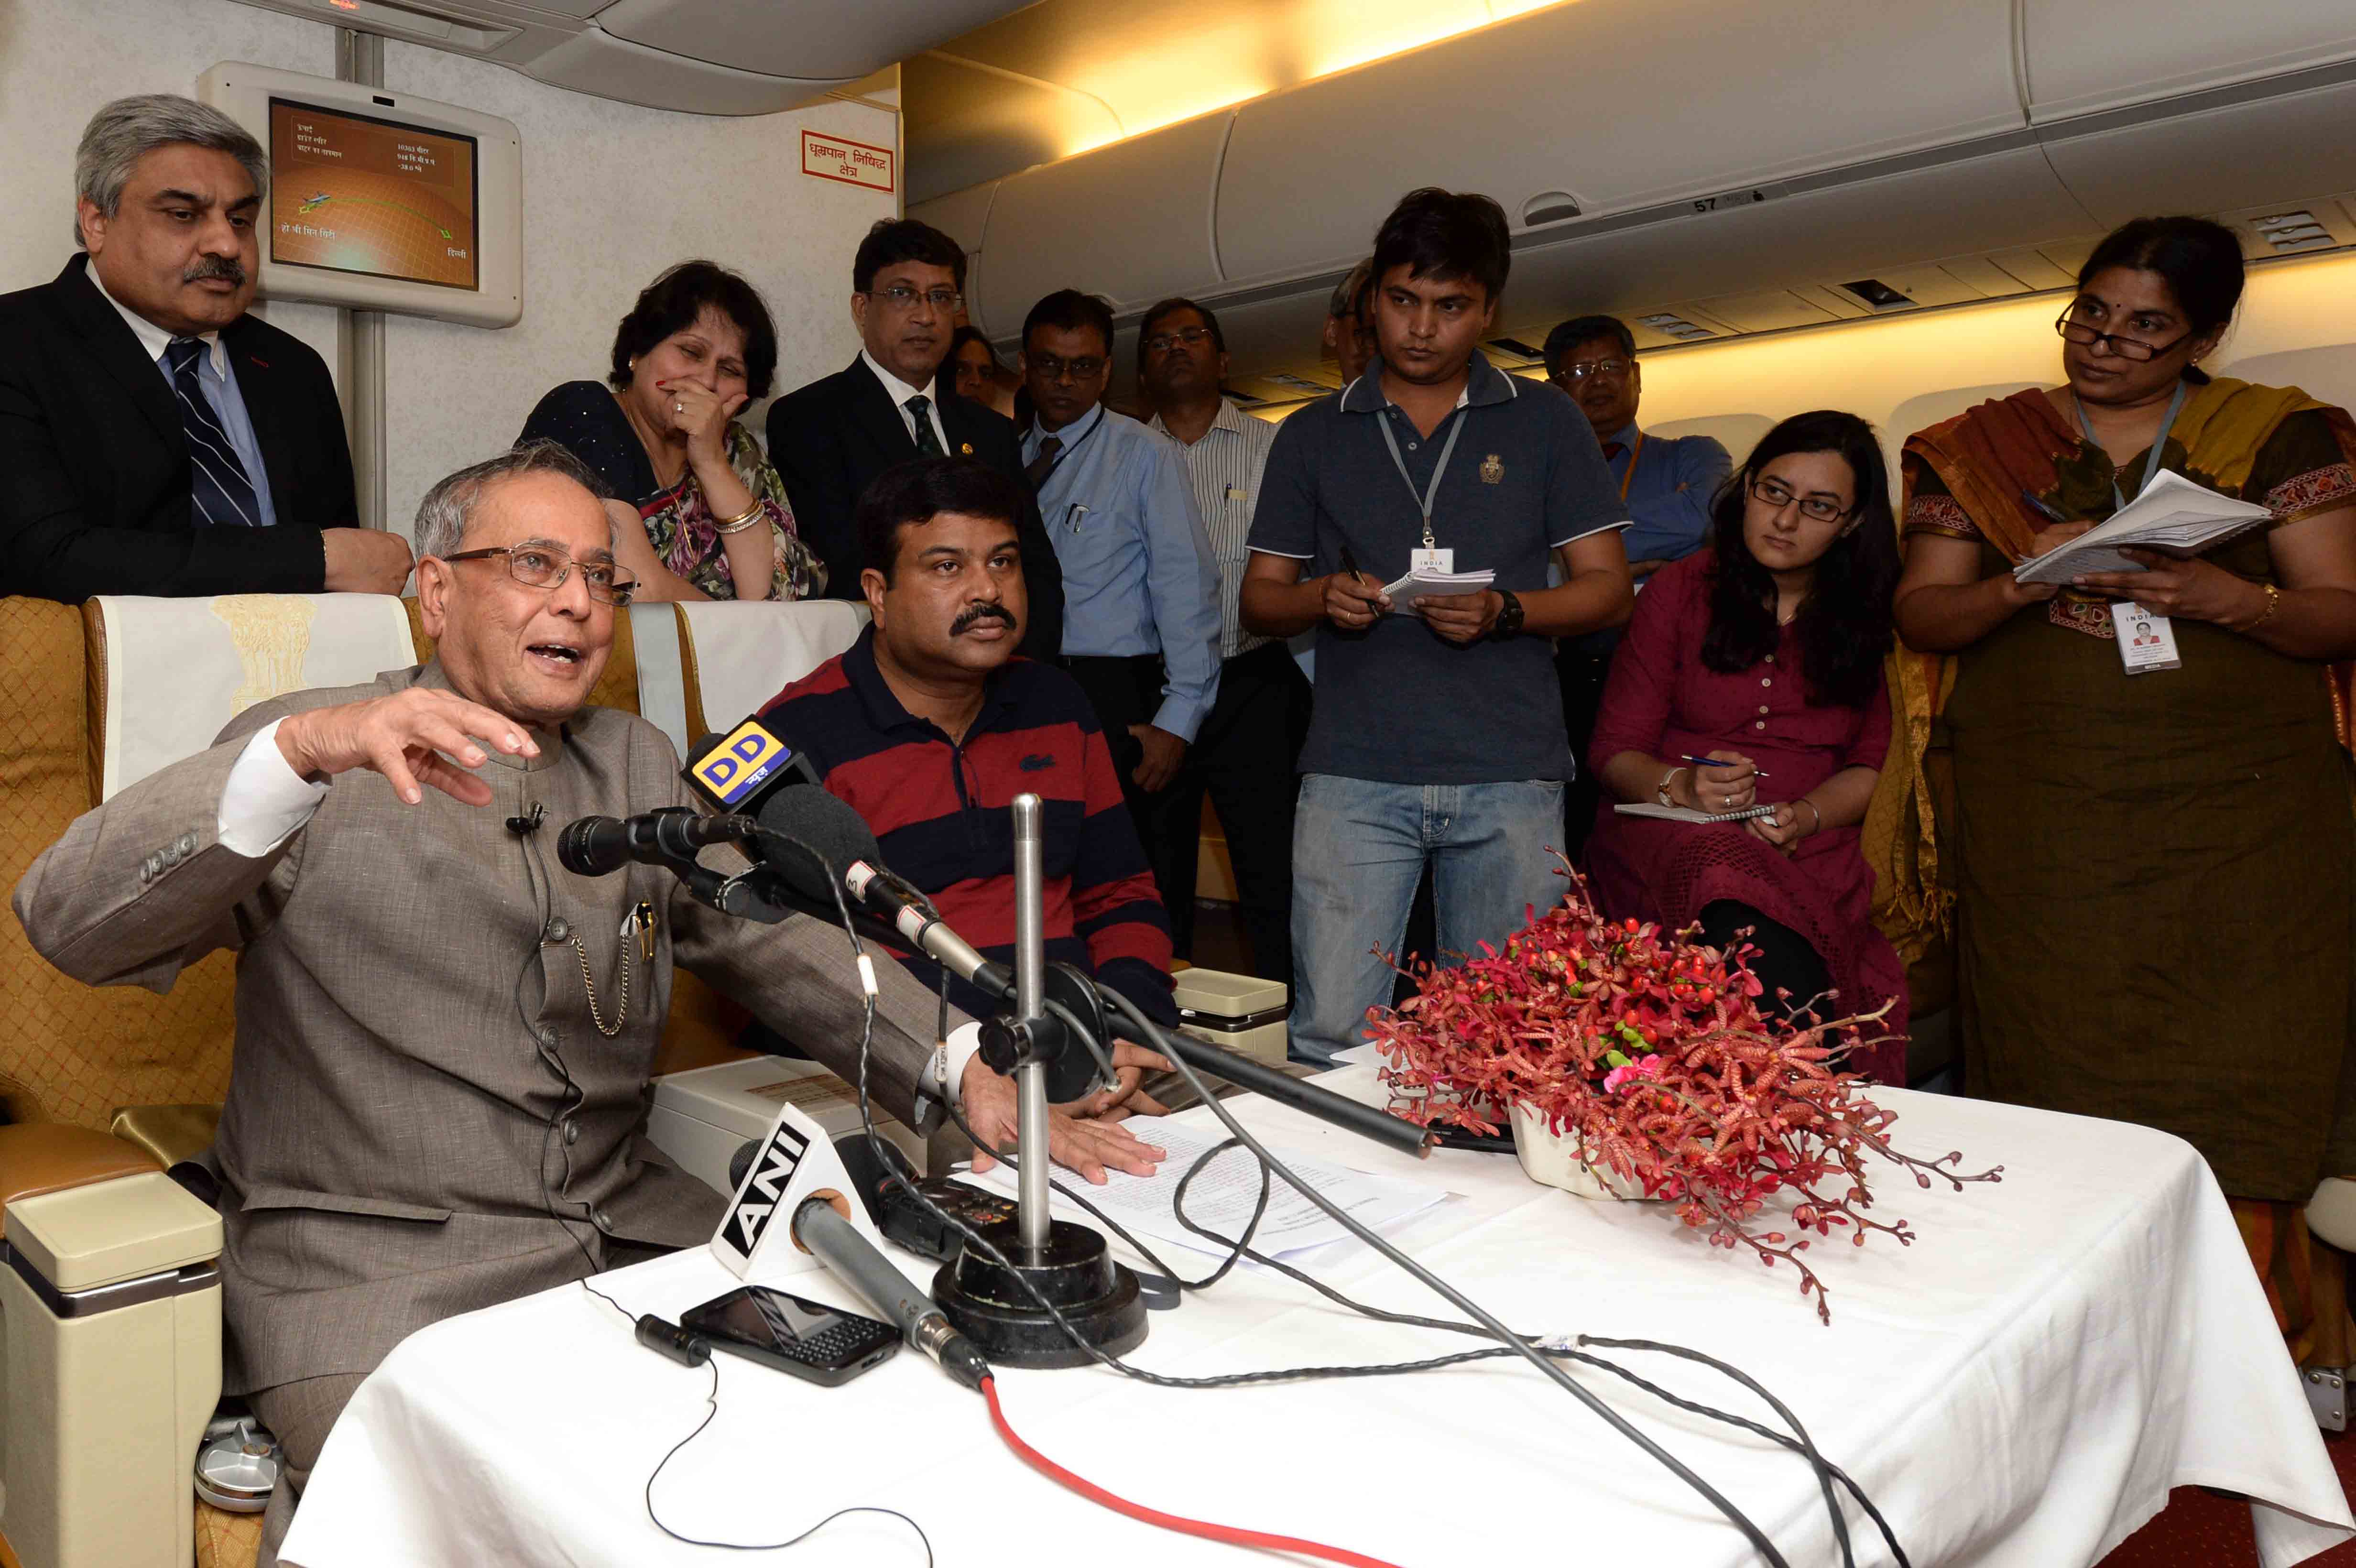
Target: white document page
x,y
1221,1198
2173,514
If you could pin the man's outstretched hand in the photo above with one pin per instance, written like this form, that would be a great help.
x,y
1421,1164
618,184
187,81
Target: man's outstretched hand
x,y
1078,1141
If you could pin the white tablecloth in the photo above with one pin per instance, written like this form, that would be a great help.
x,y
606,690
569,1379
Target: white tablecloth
x,y
2022,1386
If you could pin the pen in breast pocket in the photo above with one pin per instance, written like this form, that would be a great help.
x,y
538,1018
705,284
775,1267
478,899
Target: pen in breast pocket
x,y
1072,515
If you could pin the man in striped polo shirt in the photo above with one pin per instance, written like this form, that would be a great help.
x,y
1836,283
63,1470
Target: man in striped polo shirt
x,y
930,726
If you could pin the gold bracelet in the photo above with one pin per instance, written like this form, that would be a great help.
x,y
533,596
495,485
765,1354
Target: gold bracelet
x,y
741,521
2273,602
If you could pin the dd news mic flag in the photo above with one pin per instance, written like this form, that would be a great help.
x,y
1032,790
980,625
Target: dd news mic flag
x,y
738,771
794,1163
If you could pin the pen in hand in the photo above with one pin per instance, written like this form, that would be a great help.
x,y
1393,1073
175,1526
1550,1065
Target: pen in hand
x,y
1714,763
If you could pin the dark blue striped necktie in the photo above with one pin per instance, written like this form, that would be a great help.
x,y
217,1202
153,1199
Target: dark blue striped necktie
x,y
220,487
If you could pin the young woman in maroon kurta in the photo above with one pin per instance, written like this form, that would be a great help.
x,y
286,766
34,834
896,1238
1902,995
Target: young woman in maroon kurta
x,y
1764,654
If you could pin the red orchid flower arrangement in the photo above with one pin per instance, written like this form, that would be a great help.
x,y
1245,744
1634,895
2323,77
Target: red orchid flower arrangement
x,y
1652,1050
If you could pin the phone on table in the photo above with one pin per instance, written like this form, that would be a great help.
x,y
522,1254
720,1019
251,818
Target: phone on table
x,y
821,1344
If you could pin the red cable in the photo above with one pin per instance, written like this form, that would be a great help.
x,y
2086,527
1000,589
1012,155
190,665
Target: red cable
x,y
1209,1531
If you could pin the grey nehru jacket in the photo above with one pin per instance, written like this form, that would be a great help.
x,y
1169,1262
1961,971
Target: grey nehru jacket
x,y
410,1004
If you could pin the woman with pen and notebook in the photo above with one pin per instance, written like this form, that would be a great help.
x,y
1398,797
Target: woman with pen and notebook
x,y
2153,857
1748,687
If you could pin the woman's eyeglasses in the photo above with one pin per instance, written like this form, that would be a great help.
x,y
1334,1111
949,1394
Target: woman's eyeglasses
x,y
535,566
1818,508
2135,349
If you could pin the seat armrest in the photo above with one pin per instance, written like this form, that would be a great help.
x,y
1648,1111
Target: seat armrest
x,y
50,1157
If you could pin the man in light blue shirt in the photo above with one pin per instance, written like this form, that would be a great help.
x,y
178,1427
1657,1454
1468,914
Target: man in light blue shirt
x,y
1667,483
1142,626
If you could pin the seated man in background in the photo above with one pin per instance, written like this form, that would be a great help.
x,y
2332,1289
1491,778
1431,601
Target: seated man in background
x,y
1667,484
154,437
438,1099
1142,589
830,439
1349,332
932,724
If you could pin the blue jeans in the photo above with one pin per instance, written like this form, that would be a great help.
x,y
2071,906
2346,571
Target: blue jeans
x,y
1358,849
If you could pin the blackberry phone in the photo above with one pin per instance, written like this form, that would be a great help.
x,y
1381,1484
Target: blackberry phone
x,y
820,1344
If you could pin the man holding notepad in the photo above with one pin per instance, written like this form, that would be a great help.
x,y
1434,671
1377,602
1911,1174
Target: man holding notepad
x,y
1437,737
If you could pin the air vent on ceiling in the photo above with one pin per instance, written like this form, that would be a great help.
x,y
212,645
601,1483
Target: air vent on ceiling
x,y
1516,348
1550,207
1877,294
2286,232
1675,326
1298,383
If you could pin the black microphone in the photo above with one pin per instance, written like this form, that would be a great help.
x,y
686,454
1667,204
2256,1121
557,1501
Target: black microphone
x,y
831,834
599,845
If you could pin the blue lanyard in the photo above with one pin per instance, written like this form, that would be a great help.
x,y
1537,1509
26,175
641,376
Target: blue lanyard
x,y
1430,493
2151,459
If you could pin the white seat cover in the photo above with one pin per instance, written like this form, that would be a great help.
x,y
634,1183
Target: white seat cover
x,y
179,669
742,656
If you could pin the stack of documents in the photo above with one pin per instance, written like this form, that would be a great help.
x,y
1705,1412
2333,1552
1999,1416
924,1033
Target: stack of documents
x,y
2173,514
1221,1199
1416,584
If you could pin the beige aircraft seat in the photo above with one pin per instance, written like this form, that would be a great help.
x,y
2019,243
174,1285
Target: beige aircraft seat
x,y
110,1303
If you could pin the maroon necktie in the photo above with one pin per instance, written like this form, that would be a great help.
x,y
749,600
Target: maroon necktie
x,y
1613,449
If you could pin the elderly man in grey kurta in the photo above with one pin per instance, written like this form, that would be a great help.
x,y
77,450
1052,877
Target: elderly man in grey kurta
x,y
437,1101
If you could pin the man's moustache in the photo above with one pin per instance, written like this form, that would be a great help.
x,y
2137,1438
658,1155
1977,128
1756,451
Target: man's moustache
x,y
976,613
214,267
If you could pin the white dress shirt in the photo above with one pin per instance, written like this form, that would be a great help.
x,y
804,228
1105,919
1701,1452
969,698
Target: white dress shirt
x,y
900,392
220,387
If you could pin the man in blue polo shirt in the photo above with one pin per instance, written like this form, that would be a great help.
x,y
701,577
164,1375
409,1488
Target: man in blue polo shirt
x,y
1667,482
1437,737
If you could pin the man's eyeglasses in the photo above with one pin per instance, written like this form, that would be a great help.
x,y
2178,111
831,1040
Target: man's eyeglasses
x,y
2135,349
1084,368
1820,508
1579,370
900,297
1163,342
536,566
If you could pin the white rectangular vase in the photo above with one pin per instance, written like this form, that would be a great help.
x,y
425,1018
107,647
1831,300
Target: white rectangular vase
x,y
1555,1159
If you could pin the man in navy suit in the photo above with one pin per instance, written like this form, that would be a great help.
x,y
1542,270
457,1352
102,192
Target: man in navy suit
x,y
154,438
830,439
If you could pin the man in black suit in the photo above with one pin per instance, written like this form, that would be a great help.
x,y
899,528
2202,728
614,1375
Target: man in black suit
x,y
154,437
830,439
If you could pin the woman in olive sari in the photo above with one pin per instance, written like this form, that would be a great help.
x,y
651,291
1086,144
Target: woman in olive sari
x,y
2153,873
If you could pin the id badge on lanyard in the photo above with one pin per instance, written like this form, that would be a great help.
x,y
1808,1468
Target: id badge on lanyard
x,y
2147,641
1430,558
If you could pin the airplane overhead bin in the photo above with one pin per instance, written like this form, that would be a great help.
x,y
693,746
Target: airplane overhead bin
x,y
1735,168
701,56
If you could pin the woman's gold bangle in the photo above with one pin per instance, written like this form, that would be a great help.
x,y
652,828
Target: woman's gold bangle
x,y
741,521
2273,602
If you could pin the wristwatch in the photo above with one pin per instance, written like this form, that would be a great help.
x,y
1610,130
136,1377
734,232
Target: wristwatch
x,y
1509,616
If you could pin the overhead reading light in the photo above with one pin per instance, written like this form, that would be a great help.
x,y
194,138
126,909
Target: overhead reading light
x,y
2285,232
1550,207
1877,294
1675,326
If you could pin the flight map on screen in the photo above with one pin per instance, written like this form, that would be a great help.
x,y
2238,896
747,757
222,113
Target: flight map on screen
x,y
360,195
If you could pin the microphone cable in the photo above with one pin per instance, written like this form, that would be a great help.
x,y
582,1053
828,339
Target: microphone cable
x,y
1510,1344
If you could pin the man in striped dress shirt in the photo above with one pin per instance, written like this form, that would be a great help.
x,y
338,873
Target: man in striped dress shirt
x,y
932,724
1243,755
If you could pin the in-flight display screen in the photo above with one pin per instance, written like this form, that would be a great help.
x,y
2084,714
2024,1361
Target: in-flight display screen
x,y
356,194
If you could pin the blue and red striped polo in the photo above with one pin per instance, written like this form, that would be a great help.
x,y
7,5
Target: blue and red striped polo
x,y
938,808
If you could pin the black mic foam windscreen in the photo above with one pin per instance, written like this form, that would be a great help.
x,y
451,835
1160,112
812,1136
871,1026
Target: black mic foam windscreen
x,y
819,823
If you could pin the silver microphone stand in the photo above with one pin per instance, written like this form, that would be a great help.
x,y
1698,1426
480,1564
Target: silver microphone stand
x,y
1069,1265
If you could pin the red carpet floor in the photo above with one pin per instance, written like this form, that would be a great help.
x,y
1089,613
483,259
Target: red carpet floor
x,y
2202,1529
